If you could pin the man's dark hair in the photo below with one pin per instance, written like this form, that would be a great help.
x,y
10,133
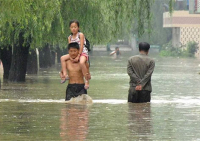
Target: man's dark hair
x,y
73,45
143,46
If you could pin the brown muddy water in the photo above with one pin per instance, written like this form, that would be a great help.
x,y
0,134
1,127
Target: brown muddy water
x,y
35,110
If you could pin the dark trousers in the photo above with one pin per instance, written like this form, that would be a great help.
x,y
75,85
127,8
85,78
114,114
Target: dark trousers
x,y
139,96
74,90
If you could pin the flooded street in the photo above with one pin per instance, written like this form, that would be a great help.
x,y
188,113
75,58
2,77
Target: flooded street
x,y
35,110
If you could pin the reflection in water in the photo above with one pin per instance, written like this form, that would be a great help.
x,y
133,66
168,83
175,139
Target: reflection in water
x,y
74,122
139,121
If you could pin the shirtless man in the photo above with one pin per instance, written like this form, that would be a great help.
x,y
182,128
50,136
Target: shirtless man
x,y
76,79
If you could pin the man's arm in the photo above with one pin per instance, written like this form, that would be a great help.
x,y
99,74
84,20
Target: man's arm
x,y
61,74
148,74
131,72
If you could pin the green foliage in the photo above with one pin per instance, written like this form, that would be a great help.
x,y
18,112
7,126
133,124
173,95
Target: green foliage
x,y
158,34
171,3
46,21
192,47
185,51
169,50
32,18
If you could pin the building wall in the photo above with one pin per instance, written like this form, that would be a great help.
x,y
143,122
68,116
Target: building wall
x,y
176,36
181,19
188,34
189,25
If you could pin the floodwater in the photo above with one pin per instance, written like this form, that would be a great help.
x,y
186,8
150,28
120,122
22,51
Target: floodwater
x,y
35,110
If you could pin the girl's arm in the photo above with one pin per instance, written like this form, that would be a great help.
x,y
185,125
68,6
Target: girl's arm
x,y
81,42
69,39
81,46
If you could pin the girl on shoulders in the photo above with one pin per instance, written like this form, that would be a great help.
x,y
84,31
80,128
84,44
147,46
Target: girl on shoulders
x,y
82,58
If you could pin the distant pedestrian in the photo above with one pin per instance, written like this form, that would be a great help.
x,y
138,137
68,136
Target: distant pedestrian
x,y
140,68
117,53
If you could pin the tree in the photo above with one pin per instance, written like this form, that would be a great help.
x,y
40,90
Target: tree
x,y
29,24
159,35
25,24
6,57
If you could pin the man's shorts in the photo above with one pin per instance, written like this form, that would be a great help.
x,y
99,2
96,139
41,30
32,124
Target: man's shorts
x,y
74,90
138,96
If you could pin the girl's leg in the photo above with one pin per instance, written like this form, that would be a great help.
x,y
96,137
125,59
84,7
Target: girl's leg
x,y
63,60
84,70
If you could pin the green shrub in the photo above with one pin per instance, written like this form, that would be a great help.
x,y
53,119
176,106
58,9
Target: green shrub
x,y
169,50
192,47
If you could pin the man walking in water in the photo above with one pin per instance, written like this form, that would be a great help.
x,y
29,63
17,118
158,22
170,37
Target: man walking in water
x,y
140,69
76,80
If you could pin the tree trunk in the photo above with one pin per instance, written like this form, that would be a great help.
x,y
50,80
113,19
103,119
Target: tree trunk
x,y
60,52
19,61
32,67
6,57
53,56
45,57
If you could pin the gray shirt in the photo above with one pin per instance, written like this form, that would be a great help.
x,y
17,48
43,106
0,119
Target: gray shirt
x,y
140,69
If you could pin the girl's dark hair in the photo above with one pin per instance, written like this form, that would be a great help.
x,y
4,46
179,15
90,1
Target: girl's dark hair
x,y
74,21
73,45
143,46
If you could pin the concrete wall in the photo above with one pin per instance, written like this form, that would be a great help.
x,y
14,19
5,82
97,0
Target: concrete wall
x,y
176,36
186,27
